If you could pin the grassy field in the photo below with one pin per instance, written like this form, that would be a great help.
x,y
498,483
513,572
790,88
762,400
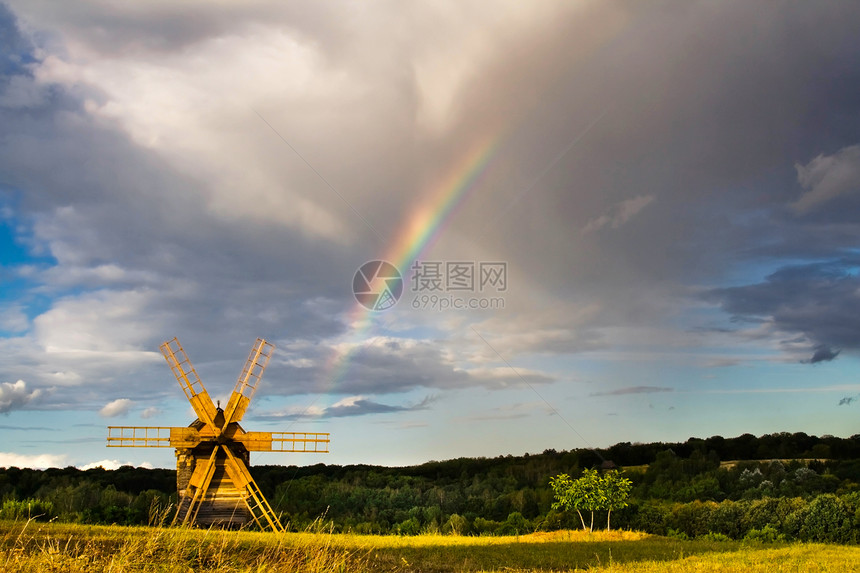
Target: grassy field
x,y
64,548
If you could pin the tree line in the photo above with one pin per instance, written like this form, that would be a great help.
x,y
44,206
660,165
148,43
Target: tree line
x,y
676,488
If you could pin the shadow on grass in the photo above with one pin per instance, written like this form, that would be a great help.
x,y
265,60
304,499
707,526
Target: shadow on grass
x,y
548,556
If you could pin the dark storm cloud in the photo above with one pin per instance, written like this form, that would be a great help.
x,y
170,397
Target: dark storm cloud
x,y
364,407
348,408
376,368
119,225
15,50
812,300
699,101
696,121
15,396
711,108
822,354
385,366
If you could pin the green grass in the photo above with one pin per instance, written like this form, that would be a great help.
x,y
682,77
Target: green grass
x,y
66,548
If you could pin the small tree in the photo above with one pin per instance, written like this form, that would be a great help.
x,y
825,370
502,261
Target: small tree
x,y
593,498
580,494
616,490
563,489
591,492
456,525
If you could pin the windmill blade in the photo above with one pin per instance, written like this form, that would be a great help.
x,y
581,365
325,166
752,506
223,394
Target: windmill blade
x,y
257,504
248,380
152,437
200,480
301,442
190,383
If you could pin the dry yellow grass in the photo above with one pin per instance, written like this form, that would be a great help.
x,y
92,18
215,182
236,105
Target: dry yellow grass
x,y
65,548
797,558
373,541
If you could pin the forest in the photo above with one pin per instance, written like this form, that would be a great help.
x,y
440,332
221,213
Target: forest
x,y
772,487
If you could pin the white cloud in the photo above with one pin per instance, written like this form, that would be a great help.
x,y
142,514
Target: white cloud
x,y
619,214
203,93
112,465
562,328
150,412
13,319
103,321
35,461
348,401
15,396
827,177
118,407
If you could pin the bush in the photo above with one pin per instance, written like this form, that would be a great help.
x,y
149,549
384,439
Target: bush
x,y
693,518
676,534
826,519
483,526
787,516
409,527
515,524
552,521
653,517
456,525
725,520
366,528
767,534
759,513
711,536
27,509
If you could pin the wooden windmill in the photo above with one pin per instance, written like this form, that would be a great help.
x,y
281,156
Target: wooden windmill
x,y
213,452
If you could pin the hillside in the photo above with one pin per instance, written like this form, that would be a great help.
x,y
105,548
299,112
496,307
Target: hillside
x,y
502,495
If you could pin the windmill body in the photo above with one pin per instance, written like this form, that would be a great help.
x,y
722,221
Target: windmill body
x,y
213,452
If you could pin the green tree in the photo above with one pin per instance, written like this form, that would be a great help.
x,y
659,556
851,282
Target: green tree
x,y
614,492
565,499
579,494
591,492
456,525
827,519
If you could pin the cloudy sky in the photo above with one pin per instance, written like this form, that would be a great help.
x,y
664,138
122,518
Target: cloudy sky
x,y
672,190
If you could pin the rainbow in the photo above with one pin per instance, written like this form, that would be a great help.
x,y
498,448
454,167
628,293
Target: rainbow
x,y
419,233
430,220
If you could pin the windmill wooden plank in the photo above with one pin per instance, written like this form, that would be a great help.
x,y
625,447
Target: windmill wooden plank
x,y
284,441
212,453
246,386
152,437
